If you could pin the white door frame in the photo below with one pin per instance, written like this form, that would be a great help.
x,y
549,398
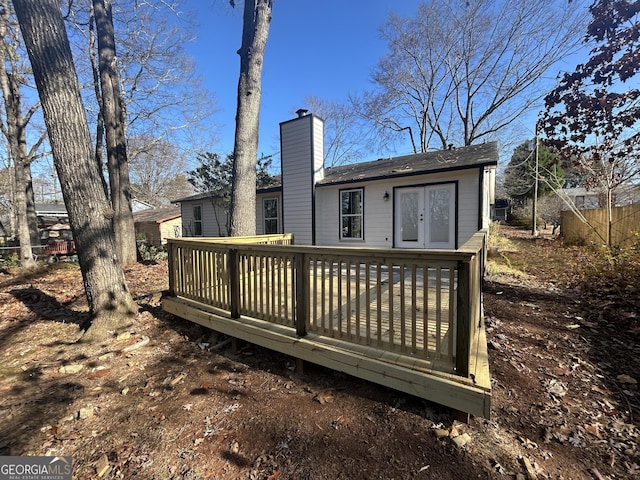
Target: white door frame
x,y
415,211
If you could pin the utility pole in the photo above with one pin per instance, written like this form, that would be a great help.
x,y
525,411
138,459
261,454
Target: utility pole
x,y
534,230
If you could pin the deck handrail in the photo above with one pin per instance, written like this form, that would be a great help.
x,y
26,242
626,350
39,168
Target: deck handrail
x,y
424,304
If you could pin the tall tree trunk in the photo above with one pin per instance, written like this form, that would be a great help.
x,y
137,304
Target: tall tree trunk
x,y
114,123
32,217
105,285
15,131
255,29
24,235
11,96
96,87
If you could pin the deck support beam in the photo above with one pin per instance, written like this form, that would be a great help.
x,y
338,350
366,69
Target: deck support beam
x,y
446,389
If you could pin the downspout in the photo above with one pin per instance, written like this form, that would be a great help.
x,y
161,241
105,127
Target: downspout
x,y
480,196
313,185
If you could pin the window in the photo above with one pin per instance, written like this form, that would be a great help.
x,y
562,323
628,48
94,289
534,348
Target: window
x,y
197,220
351,214
270,208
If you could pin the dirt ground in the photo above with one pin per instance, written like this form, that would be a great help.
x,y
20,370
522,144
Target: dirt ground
x,y
564,356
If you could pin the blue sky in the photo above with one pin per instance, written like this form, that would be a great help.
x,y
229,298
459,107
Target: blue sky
x,y
316,48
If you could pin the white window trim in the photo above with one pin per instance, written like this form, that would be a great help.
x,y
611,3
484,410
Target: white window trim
x,y
276,218
361,215
195,221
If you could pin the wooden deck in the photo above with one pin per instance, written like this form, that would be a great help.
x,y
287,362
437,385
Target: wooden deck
x,y
411,320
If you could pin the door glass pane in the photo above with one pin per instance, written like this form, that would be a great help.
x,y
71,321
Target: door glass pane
x,y
410,211
439,207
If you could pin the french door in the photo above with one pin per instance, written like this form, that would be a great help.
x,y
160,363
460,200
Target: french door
x,y
425,216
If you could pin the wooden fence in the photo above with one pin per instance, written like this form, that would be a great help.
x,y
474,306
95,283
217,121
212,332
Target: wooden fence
x,y
416,303
625,225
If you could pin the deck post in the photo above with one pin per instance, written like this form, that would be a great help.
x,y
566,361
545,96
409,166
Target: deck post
x,y
463,320
171,260
234,283
302,288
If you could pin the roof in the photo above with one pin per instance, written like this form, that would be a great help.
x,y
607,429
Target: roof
x,y
138,205
157,215
460,158
51,209
274,186
199,196
581,191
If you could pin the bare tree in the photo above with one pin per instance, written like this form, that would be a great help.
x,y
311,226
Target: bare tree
x,y
255,29
163,97
462,71
157,172
14,129
114,125
343,135
160,97
105,285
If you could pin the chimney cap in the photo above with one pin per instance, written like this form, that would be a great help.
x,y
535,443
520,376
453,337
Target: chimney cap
x,y
302,112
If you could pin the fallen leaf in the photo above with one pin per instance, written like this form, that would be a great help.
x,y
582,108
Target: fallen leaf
x,y
338,421
528,443
576,440
178,379
462,440
326,396
98,373
603,391
274,476
559,371
593,429
626,379
556,388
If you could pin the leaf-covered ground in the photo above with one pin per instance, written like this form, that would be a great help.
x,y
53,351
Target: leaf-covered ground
x,y
173,400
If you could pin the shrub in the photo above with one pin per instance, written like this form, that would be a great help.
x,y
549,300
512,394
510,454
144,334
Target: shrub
x,y
150,253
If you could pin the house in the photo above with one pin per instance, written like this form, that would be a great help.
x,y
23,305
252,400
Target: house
x,y
500,210
434,200
373,269
155,225
585,199
51,213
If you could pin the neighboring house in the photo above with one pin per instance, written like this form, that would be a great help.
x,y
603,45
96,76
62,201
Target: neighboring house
x,y
157,224
500,210
428,200
585,199
51,214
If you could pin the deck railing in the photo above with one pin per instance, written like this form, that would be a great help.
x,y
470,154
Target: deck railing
x,y
422,305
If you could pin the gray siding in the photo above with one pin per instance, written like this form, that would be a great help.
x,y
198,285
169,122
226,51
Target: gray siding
x,y
209,223
301,158
378,213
